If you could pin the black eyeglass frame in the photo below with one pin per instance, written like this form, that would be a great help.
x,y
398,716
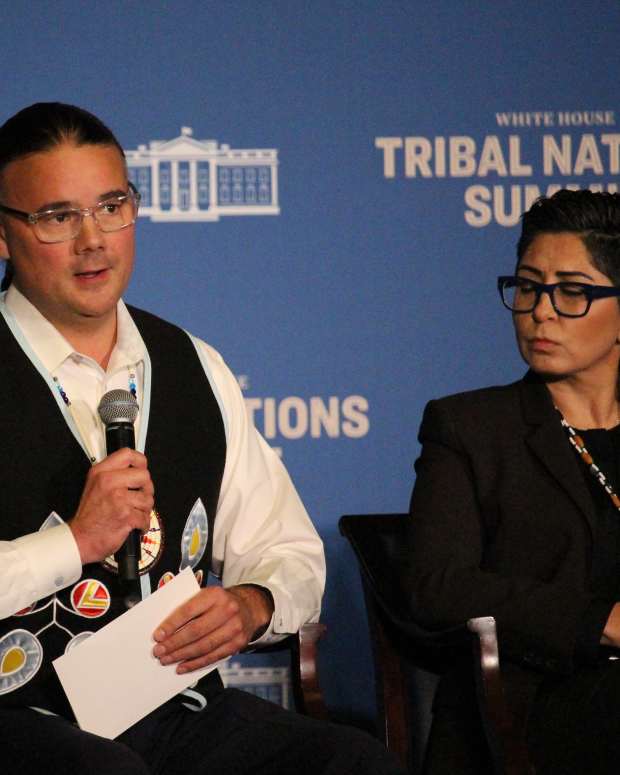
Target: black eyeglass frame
x,y
591,292
32,218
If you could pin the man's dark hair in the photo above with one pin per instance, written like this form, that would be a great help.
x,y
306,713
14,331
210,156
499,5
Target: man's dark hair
x,y
43,126
593,216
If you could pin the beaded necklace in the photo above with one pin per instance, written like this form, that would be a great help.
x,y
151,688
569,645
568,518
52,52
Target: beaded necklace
x,y
132,385
132,389
580,447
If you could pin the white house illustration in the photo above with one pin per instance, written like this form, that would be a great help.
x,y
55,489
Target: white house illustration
x,y
185,179
270,683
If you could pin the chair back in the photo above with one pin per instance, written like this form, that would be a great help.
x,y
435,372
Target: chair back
x,y
405,676
408,659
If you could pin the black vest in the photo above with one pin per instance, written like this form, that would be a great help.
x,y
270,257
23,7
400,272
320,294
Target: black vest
x,y
43,469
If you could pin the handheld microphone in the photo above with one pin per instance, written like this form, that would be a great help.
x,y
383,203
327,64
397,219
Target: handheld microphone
x,y
118,410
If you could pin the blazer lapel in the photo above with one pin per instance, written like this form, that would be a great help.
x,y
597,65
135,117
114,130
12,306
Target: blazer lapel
x,y
550,445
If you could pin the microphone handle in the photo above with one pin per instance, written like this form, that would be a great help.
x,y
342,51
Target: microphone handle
x,y
128,557
120,434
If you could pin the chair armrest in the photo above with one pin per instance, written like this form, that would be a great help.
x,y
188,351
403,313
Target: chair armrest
x,y
506,741
306,689
302,648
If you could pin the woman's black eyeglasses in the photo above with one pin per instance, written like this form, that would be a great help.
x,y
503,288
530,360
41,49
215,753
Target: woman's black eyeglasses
x,y
570,299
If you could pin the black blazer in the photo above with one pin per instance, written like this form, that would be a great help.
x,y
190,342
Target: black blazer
x,y
502,525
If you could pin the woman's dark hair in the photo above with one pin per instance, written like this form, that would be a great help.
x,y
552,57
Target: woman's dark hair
x,y
593,216
41,127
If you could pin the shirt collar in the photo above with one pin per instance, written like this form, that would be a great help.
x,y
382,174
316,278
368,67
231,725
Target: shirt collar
x,y
53,349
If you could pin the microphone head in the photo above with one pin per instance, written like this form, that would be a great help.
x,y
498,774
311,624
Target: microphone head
x,y
118,406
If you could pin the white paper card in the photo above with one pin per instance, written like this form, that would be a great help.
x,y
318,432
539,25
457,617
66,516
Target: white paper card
x,y
112,678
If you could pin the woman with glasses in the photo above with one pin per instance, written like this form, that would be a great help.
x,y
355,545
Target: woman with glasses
x,y
515,513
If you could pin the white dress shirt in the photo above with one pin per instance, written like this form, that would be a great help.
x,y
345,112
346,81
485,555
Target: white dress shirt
x,y
262,533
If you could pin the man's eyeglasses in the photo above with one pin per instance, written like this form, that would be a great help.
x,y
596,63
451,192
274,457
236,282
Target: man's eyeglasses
x,y
61,224
570,299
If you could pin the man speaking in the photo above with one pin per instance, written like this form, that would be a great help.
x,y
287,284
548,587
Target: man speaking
x,y
203,488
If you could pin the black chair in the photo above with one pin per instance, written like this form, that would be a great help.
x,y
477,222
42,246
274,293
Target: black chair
x,y
408,659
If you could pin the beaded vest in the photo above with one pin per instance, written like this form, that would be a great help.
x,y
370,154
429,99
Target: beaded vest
x,y
43,469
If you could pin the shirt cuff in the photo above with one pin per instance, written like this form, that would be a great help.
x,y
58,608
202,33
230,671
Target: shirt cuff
x,y
52,557
287,619
268,637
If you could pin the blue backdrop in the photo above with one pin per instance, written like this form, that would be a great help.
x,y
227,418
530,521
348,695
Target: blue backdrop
x,y
366,165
